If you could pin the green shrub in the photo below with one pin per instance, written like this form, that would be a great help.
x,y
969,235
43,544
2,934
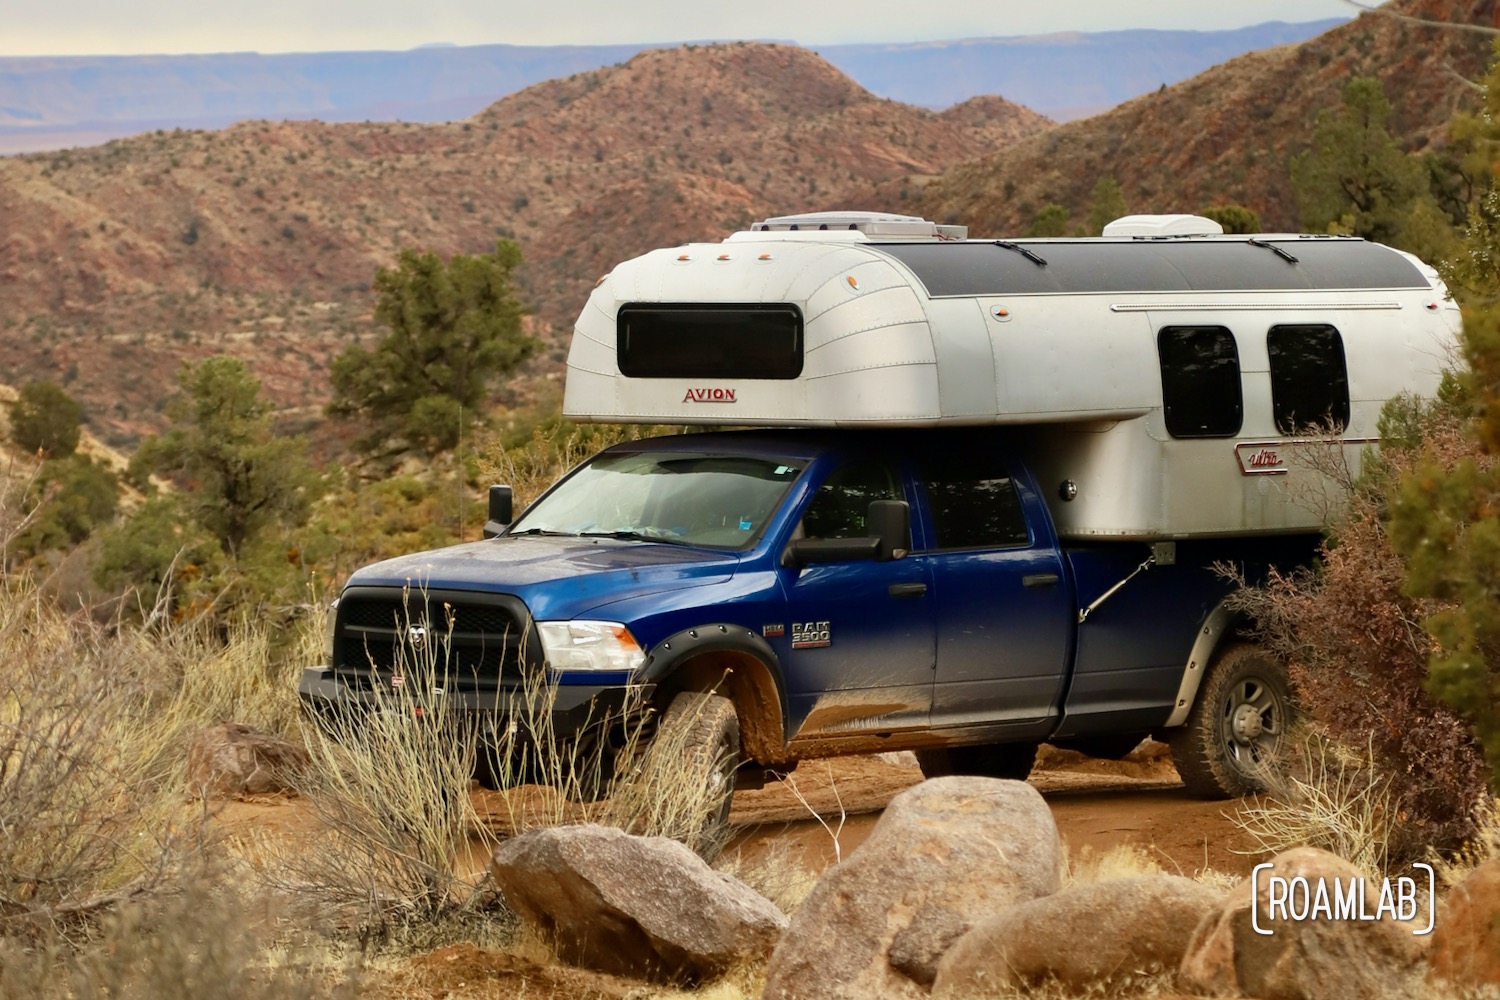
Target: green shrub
x,y
46,419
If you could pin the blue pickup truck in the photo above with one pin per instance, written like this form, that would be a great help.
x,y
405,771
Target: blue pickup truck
x,y
836,592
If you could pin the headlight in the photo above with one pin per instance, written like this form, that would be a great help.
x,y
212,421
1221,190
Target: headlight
x,y
585,645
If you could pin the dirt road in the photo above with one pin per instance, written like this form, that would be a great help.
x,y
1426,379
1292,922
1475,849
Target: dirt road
x,y
1098,806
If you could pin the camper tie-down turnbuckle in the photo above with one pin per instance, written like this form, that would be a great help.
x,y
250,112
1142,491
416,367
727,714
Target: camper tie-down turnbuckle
x,y
1162,554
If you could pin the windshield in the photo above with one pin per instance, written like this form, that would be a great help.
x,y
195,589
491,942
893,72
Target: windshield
x,y
717,501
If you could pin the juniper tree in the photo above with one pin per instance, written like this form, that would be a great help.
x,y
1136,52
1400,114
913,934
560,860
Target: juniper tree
x,y
454,326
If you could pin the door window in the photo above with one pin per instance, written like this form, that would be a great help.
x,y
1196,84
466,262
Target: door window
x,y
842,504
974,504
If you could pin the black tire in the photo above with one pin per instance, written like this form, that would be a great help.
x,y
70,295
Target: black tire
x,y
992,760
1236,727
699,737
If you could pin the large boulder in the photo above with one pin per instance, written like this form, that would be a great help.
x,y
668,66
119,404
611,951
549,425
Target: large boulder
x,y
946,854
1084,937
636,906
230,760
1466,938
1309,959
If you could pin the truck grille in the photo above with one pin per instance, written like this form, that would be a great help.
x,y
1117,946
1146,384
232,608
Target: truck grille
x,y
469,638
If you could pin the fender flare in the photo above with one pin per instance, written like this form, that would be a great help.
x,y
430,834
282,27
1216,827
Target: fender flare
x,y
722,643
1219,623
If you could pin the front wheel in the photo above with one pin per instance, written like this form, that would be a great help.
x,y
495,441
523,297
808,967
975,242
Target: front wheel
x,y
1235,730
685,782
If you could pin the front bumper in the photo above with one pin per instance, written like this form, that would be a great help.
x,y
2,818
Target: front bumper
x,y
562,710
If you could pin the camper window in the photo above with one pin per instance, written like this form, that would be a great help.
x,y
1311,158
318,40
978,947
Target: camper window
x,y
669,340
1200,381
1309,383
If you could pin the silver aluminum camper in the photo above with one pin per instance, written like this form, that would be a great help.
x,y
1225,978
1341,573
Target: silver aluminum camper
x,y
1175,382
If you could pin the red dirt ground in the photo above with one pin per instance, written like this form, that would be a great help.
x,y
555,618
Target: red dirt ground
x,y
1098,806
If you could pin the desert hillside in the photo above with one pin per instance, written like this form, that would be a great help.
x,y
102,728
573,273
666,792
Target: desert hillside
x,y
118,262
1225,136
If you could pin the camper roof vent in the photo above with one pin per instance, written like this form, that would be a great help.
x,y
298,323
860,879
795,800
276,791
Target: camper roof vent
x,y
1163,225
871,225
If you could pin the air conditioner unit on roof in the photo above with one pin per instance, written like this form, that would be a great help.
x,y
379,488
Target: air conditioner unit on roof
x,y
874,225
1163,225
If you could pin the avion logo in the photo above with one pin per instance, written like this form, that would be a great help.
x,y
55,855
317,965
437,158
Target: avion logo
x,y
708,396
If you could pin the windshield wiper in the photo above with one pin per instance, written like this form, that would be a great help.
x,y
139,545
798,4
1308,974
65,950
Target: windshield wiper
x,y
539,531
632,536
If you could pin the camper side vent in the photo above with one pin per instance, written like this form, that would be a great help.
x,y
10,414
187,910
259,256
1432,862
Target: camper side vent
x,y
1163,225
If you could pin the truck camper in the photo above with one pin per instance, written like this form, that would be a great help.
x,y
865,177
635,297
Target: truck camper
x,y
972,501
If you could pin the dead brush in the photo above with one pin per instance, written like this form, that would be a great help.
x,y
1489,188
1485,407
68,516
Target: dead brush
x,y
1357,652
88,815
1325,795
389,785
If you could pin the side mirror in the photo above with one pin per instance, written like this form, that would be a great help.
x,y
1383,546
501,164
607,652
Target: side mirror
x,y
807,551
500,511
889,521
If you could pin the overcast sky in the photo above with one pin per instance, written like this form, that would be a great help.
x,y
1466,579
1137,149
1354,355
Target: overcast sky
x,y
88,27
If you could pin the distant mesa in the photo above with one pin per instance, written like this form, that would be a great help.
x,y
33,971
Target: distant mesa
x,y
57,102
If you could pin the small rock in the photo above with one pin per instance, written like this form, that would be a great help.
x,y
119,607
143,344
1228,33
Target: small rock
x,y
945,854
636,906
1466,937
230,760
1311,959
1084,937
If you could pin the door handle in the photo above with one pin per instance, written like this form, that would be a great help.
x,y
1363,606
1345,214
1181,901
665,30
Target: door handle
x,y
907,589
1034,580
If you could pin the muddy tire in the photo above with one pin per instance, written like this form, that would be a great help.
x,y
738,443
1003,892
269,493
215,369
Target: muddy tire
x,y
1236,728
690,765
993,760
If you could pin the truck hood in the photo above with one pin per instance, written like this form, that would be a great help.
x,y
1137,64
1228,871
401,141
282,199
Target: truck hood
x,y
557,577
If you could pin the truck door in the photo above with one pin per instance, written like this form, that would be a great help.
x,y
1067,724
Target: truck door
x,y
861,631
1003,607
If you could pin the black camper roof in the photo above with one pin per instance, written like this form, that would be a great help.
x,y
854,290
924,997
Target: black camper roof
x,y
1223,264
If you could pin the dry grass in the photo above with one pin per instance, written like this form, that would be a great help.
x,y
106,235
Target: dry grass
x,y
389,786
774,872
1329,796
1137,987
191,943
94,725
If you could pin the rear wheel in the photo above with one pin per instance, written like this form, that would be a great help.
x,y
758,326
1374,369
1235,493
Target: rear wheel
x,y
992,760
1235,730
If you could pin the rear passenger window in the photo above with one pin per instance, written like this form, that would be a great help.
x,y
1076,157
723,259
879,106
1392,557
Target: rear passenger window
x,y
1309,383
974,504
1200,381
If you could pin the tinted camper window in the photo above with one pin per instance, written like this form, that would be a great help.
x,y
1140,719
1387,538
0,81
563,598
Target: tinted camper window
x,y
1200,381
695,341
1309,383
